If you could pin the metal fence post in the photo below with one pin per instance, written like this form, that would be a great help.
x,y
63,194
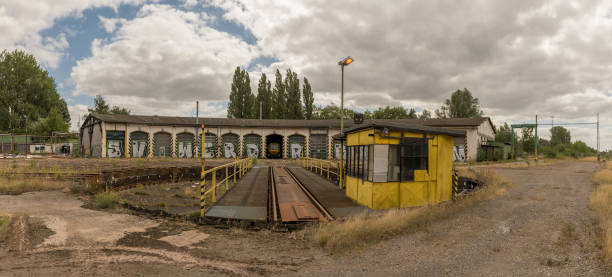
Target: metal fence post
x,y
226,178
235,173
214,185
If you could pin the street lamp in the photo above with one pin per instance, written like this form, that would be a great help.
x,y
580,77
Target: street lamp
x,y
346,61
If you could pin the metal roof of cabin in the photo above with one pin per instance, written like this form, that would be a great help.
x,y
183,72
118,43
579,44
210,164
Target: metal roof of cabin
x,y
403,126
279,123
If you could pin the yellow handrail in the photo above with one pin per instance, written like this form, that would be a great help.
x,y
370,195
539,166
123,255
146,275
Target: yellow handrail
x,y
240,169
320,166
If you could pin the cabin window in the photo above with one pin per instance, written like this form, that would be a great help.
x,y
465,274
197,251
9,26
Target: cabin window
x,y
410,155
358,163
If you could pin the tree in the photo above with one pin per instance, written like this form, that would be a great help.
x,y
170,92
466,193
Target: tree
x,y
279,106
242,101
461,104
27,93
294,101
387,112
425,115
264,96
332,112
559,135
504,134
308,99
101,107
53,123
528,140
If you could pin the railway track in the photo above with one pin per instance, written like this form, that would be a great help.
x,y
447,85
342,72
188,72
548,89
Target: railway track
x,y
291,202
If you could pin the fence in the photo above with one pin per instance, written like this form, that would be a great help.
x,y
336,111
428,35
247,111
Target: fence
x,y
325,168
240,168
27,144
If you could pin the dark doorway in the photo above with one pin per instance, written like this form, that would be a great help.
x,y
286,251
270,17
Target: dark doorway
x,y
274,147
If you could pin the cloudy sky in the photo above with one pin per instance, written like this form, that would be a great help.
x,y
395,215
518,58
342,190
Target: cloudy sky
x,y
520,58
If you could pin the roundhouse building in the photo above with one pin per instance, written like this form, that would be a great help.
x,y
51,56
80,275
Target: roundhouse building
x,y
113,135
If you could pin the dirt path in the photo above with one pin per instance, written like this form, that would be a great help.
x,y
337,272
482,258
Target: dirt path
x,y
54,235
541,227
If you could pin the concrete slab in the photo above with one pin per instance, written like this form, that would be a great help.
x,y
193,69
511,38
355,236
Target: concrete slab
x,y
238,212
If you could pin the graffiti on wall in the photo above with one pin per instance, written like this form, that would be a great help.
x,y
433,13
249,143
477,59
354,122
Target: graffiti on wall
x,y
459,153
252,150
229,150
184,149
337,151
296,150
209,150
139,148
113,149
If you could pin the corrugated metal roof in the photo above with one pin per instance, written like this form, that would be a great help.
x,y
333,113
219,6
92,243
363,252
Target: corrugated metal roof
x,y
276,123
403,126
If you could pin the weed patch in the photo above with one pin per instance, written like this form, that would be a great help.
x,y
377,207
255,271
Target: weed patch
x,y
5,223
367,229
601,204
12,185
107,199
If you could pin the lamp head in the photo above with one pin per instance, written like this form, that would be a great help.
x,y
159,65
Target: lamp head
x,y
346,61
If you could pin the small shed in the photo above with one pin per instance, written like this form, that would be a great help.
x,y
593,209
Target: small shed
x,y
391,165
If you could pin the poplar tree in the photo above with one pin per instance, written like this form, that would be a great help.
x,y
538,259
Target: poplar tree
x,y
308,99
279,106
242,100
294,101
264,97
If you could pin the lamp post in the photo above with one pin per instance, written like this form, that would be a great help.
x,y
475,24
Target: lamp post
x,y
346,61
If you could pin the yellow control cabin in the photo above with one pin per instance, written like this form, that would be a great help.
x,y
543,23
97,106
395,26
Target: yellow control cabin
x,y
391,165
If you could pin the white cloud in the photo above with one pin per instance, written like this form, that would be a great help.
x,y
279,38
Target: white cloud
x,y
110,24
22,21
76,116
161,62
518,57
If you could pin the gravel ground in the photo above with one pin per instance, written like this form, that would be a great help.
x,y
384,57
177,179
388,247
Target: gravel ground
x,y
541,227
522,233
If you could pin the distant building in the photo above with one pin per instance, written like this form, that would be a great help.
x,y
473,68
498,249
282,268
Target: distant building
x,y
106,135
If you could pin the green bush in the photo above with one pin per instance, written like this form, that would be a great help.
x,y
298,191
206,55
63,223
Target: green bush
x,y
481,154
106,199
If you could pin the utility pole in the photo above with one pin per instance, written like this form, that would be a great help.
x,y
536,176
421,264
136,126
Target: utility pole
x,y
552,123
536,139
260,104
197,124
598,158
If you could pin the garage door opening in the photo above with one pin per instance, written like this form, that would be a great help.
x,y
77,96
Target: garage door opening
x,y
274,147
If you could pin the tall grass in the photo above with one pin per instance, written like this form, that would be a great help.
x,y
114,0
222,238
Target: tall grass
x,y
601,203
15,185
5,223
367,229
106,199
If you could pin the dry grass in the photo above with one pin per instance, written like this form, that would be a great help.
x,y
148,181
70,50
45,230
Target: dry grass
x,y
12,185
601,203
365,230
106,199
5,223
603,176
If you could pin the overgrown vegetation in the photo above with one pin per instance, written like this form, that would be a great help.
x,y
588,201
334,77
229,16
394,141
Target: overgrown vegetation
x,y
106,199
16,185
367,229
5,223
559,145
601,204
